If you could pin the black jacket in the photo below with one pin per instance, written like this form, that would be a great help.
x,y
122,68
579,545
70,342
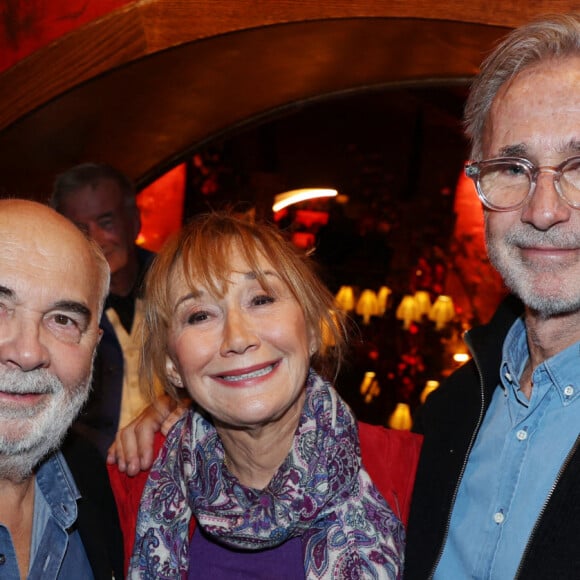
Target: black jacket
x,y
97,522
449,421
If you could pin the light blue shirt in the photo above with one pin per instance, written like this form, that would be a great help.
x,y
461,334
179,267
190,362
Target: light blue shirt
x,y
513,464
56,551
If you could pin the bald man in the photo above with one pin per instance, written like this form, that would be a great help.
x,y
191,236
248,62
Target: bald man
x,y
57,515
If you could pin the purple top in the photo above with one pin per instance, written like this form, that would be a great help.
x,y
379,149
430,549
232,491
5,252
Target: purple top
x,y
207,559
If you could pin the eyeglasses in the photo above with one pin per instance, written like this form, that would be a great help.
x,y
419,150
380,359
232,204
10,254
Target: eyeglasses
x,y
506,183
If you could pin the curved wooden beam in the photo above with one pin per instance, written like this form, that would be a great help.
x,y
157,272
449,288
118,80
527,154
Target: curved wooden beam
x,y
143,116
145,27
145,83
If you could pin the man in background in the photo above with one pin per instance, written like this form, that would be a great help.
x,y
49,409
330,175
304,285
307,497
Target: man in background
x,y
497,492
58,518
100,200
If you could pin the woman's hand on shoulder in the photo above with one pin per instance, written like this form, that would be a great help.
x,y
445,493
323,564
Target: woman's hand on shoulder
x,y
133,450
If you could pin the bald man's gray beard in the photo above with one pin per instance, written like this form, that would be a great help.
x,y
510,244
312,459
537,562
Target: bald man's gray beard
x,y
29,433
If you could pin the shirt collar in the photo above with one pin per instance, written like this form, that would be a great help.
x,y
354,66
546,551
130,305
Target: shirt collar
x,y
562,368
514,354
58,487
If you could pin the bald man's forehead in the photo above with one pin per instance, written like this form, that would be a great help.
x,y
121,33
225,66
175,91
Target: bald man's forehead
x,y
58,267
24,213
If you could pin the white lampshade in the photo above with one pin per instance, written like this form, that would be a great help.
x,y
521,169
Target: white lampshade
x,y
344,298
430,386
423,301
408,311
369,388
401,417
383,298
366,382
442,311
367,305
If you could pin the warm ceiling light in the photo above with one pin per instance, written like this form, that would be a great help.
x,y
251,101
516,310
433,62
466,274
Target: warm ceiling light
x,y
287,198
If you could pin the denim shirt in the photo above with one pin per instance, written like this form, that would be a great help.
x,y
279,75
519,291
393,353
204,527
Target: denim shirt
x,y
513,464
56,550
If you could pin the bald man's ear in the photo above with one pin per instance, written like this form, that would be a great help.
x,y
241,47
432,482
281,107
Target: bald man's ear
x,y
172,373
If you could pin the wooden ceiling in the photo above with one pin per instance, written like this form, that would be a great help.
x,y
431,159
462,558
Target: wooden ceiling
x,y
154,80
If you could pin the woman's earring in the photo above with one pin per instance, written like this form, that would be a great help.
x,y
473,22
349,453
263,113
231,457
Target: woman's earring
x,y
172,375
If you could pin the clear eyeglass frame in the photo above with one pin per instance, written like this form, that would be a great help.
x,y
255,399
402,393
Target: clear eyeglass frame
x,y
480,171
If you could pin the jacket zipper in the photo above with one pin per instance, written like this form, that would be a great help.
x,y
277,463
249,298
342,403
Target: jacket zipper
x,y
544,507
471,442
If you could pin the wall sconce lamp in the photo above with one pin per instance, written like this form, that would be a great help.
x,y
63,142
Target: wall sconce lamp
x,y
442,311
367,305
344,298
383,299
423,301
369,387
430,386
408,311
401,417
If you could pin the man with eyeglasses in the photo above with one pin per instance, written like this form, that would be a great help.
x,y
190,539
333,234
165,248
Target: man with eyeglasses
x,y
498,486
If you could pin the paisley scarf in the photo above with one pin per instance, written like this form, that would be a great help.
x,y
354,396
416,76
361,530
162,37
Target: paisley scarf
x,y
321,493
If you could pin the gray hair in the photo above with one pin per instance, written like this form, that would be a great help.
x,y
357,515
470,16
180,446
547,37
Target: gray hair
x,y
554,36
91,175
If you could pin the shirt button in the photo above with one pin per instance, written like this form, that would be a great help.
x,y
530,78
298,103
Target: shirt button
x,y
508,377
569,391
521,434
498,518
2,559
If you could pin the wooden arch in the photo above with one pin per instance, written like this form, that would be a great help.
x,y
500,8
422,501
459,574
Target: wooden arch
x,y
143,84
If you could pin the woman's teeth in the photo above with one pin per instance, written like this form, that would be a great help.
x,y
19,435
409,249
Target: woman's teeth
x,y
252,375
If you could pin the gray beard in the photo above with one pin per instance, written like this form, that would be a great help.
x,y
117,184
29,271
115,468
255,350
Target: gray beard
x,y
519,279
28,435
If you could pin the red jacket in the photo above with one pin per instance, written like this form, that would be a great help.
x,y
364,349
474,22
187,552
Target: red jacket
x,y
389,456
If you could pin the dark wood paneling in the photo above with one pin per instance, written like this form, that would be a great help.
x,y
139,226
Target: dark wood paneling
x,y
147,82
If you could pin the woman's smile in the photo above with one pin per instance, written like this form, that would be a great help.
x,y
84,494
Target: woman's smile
x,y
240,377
